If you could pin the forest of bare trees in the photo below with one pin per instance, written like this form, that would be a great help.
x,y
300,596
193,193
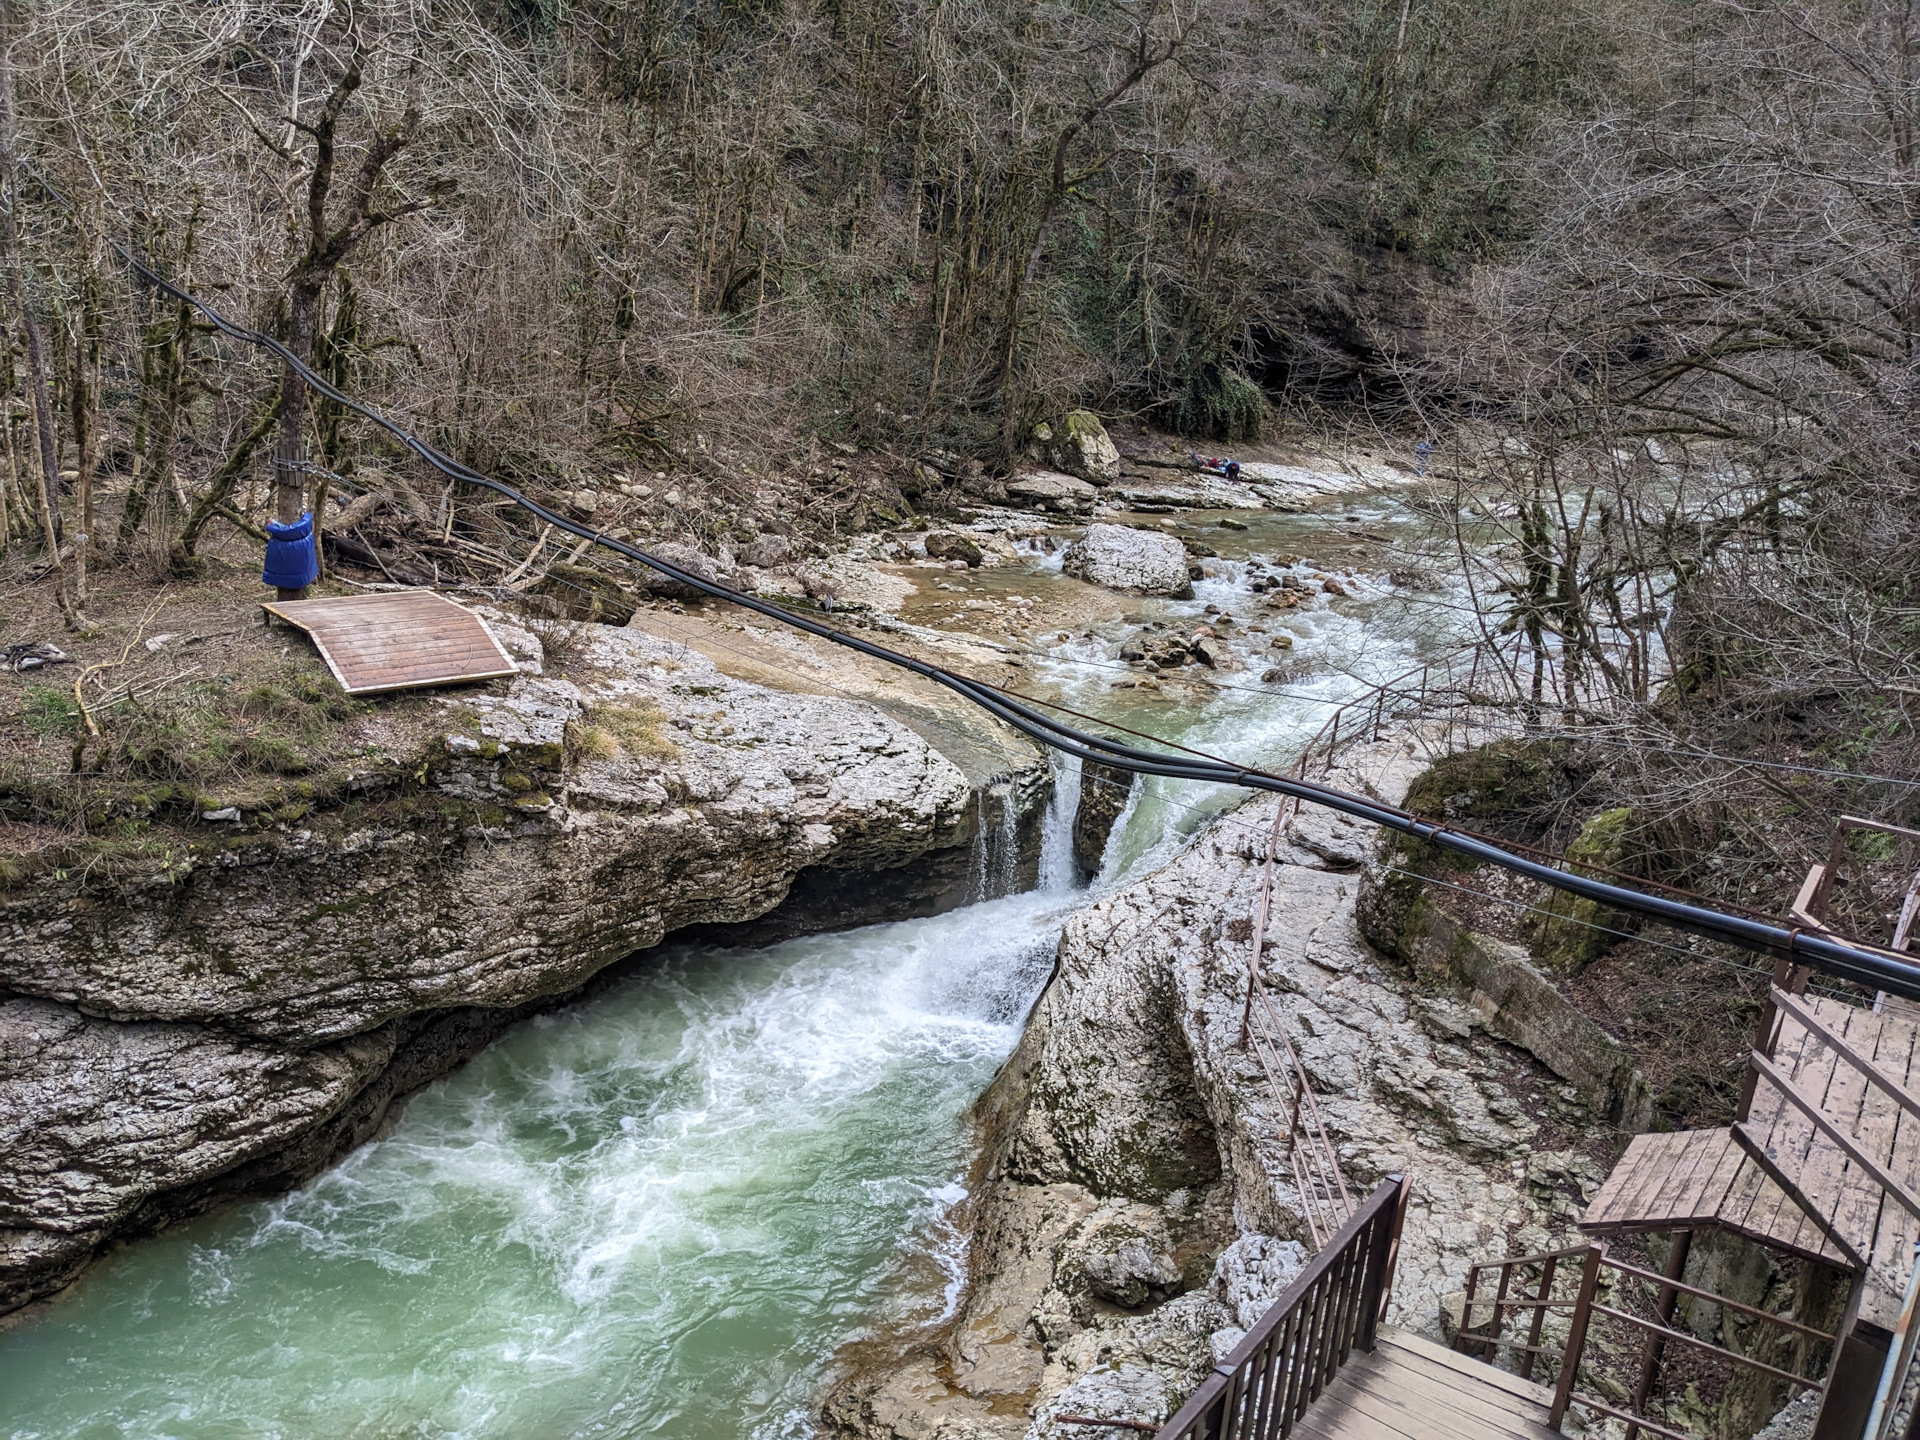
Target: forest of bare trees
x,y
1646,272
696,239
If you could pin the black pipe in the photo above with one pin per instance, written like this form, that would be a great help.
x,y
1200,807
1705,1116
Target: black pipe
x,y
1844,959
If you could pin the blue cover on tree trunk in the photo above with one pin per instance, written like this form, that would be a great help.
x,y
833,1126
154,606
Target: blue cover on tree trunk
x,y
291,561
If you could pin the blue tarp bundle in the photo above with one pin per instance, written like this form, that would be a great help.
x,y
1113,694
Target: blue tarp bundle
x,y
292,563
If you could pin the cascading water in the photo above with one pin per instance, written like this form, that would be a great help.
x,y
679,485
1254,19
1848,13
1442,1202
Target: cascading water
x,y
656,1214
1059,871
993,868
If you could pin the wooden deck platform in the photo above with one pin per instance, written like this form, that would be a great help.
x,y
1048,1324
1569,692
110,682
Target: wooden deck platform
x,y
1829,1168
1414,1389
397,640
1704,1179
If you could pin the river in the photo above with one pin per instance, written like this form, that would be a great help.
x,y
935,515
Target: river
x,y
661,1212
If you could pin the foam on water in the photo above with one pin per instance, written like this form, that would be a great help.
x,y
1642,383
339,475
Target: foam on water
x,y
674,1202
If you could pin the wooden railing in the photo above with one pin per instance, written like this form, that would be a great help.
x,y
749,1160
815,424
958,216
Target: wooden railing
x,y
1265,1386
1525,1292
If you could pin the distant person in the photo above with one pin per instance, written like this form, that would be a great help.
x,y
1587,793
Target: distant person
x,y
1233,471
1422,453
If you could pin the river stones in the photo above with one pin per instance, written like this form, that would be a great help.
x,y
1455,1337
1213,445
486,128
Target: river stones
x,y
1138,562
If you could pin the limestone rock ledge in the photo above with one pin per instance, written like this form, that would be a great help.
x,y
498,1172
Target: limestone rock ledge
x,y
233,1026
1131,1139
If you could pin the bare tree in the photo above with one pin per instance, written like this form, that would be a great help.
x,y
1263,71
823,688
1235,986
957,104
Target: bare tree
x,y
329,240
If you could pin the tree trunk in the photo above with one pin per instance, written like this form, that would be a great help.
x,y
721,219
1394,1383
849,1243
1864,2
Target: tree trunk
x,y
38,397
289,451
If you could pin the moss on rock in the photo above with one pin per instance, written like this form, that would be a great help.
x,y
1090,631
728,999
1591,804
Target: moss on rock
x,y
1571,932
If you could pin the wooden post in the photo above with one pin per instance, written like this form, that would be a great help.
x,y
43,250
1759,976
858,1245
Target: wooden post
x,y
1678,1245
1491,1351
1383,1257
1576,1335
1545,1293
1466,1309
1792,979
1853,1377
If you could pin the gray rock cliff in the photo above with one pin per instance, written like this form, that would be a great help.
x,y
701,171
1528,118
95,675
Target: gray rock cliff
x,y
237,1023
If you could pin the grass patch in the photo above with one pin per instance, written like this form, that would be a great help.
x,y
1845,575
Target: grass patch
x,y
637,726
49,713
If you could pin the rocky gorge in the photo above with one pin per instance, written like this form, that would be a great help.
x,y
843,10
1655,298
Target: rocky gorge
x,y
230,1027
235,1026
1136,1210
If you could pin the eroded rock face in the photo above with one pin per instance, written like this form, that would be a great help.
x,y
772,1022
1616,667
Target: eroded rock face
x,y
1139,562
1132,1126
233,1028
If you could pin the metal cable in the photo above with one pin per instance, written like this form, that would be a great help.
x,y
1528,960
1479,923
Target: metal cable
x,y
1846,959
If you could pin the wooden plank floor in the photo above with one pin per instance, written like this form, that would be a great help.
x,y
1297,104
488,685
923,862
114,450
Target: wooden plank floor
x,y
1702,1179
396,640
1414,1389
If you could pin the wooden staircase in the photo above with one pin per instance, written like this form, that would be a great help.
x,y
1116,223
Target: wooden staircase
x,y
1833,1118
1823,1162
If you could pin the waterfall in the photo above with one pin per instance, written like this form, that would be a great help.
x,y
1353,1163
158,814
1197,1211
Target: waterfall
x,y
978,862
1115,862
993,869
1006,861
1059,871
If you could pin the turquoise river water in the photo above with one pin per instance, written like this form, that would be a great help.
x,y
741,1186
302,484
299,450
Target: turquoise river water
x,y
661,1212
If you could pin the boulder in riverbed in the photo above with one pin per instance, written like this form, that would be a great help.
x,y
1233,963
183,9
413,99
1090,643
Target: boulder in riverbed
x,y
1139,562
686,558
1079,444
946,545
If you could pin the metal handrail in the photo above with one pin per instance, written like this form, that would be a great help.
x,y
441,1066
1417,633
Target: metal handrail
x,y
1582,1310
1734,1305
1325,1202
1260,1391
1527,1259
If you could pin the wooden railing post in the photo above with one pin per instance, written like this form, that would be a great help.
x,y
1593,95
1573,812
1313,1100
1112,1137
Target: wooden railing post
x,y
1383,1257
1492,1347
1576,1335
1466,1310
1541,1296
1766,1033
1675,1269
